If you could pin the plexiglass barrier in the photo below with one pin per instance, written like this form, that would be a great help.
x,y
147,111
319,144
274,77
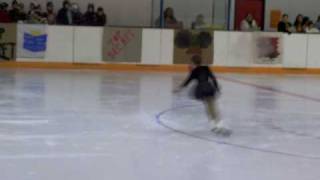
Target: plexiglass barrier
x,y
190,14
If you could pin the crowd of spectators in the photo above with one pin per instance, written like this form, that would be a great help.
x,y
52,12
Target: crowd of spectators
x,y
69,14
302,24
170,21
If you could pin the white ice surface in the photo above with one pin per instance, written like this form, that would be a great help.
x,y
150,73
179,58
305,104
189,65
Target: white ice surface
x,y
100,125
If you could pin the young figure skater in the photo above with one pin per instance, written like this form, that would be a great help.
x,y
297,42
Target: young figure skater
x,y
206,90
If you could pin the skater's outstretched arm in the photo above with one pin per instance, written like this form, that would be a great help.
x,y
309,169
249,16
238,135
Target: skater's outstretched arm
x,y
185,83
188,80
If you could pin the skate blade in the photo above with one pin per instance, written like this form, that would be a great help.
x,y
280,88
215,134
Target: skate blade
x,y
222,132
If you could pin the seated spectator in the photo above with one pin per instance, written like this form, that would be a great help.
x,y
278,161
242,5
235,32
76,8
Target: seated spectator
x,y
76,14
169,20
50,15
101,17
4,14
14,12
35,15
64,16
298,24
318,23
305,23
90,18
17,13
284,25
22,14
249,24
199,23
311,28
31,7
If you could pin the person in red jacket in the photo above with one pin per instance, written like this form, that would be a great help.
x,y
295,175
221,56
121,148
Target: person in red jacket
x,y
15,11
4,14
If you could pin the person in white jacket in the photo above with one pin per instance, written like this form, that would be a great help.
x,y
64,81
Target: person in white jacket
x,y
311,28
249,24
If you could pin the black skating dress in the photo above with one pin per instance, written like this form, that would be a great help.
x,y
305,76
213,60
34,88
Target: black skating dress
x,y
207,85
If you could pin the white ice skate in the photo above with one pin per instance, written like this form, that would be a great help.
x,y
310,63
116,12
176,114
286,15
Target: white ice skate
x,y
220,129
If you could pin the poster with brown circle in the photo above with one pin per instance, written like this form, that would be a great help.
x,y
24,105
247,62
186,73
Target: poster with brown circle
x,y
188,43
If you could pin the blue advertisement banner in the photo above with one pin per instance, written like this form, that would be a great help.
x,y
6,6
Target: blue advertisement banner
x,y
35,43
32,41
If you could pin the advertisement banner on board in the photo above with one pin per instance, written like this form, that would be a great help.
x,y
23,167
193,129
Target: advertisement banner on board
x,y
32,41
188,43
268,48
122,44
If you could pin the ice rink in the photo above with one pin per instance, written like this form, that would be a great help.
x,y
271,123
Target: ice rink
x,y
102,125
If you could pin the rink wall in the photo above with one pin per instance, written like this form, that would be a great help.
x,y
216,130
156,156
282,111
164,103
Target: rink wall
x,y
83,47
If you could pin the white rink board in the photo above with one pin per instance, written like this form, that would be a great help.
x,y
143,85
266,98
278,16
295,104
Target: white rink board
x,y
313,51
240,53
167,39
221,48
88,43
151,46
295,51
60,44
231,49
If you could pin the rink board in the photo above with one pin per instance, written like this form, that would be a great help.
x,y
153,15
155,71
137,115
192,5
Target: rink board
x,y
232,50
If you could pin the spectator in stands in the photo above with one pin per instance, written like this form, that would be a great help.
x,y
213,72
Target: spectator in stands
x,y
101,17
64,16
31,8
305,23
311,28
90,18
4,14
199,23
298,24
284,25
170,20
35,15
14,12
318,23
249,24
76,14
22,14
17,12
50,15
